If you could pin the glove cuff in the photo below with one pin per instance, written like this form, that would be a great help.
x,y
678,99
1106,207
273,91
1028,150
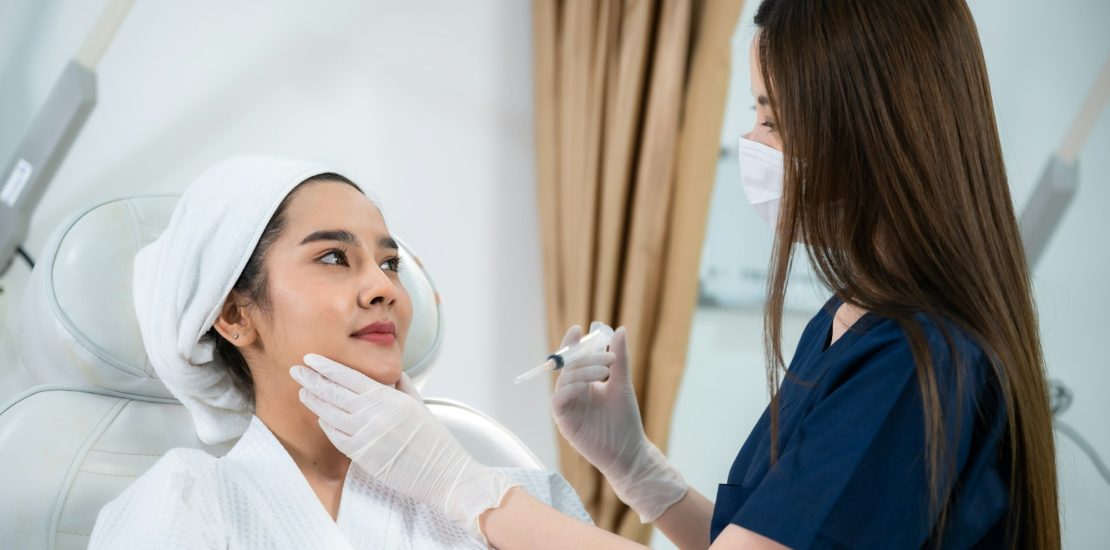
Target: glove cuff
x,y
479,488
651,484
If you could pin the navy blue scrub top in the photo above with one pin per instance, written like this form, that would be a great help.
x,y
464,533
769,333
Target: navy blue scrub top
x,y
851,449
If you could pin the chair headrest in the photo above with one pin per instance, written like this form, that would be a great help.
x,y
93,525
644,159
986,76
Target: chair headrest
x,y
78,320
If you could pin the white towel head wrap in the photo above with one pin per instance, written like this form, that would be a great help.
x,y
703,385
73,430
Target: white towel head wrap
x,y
182,279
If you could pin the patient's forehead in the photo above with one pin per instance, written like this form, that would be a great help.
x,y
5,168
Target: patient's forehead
x,y
333,205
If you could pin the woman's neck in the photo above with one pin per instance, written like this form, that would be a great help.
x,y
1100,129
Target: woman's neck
x,y
846,316
299,432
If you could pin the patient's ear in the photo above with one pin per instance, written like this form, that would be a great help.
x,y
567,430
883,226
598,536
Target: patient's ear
x,y
234,322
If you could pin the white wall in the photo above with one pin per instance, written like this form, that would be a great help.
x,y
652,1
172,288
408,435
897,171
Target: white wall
x,y
1042,58
428,104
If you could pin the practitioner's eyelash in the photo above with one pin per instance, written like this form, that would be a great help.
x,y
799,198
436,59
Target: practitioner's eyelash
x,y
339,254
393,264
767,124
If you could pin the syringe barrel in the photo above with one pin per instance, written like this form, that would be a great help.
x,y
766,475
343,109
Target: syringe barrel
x,y
596,340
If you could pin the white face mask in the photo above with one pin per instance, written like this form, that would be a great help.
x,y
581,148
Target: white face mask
x,y
761,176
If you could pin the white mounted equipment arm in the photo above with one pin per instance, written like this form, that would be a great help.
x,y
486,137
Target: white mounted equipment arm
x,y
52,133
1060,179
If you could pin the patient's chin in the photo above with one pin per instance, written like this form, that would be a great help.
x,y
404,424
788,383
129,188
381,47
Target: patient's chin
x,y
382,366
386,373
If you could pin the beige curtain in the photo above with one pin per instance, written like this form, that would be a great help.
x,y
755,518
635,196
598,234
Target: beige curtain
x,y
630,97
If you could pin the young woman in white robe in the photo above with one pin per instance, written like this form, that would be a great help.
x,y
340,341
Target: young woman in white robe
x,y
321,277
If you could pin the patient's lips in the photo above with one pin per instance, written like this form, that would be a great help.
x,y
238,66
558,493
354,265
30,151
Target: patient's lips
x,y
380,332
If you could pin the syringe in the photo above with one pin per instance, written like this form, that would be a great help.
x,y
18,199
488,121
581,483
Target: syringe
x,y
597,340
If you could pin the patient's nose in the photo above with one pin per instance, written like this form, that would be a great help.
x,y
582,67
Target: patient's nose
x,y
379,289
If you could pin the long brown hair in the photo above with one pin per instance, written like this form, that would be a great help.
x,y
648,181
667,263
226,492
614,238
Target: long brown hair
x,y
890,144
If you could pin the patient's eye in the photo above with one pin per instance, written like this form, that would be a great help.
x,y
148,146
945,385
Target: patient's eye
x,y
391,264
334,257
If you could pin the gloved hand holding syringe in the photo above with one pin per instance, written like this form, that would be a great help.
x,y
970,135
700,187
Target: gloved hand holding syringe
x,y
597,340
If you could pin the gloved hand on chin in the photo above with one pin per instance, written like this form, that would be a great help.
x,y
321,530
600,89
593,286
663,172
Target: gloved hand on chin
x,y
391,434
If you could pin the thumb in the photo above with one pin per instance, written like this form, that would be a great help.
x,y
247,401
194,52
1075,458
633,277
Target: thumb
x,y
573,335
619,371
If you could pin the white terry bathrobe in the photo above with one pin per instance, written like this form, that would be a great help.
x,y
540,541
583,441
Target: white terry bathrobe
x,y
255,496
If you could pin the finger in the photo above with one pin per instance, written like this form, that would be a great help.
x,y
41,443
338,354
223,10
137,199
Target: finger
x,y
592,373
573,335
323,387
564,396
327,412
619,371
335,435
340,373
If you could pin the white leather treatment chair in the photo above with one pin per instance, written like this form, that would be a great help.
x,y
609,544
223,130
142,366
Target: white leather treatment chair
x,y
100,416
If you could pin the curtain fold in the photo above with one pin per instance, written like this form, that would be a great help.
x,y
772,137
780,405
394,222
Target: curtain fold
x,y
629,99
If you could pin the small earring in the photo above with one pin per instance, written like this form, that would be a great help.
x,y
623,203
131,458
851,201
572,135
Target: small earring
x,y
236,337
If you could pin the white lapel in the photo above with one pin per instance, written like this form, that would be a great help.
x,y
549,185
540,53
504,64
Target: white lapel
x,y
370,514
272,499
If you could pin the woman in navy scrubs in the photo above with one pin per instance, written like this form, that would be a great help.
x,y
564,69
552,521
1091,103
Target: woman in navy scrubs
x,y
915,410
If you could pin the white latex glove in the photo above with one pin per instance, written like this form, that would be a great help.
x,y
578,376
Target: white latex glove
x,y
594,405
392,435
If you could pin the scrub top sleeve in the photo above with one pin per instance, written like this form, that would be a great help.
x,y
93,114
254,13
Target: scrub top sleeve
x,y
852,474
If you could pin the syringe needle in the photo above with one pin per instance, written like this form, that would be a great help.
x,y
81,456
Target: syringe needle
x,y
548,365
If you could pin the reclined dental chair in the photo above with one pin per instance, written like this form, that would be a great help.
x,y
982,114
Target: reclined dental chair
x,y
100,416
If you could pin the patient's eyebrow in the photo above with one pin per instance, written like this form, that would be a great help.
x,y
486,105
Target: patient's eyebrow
x,y
344,236
340,235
